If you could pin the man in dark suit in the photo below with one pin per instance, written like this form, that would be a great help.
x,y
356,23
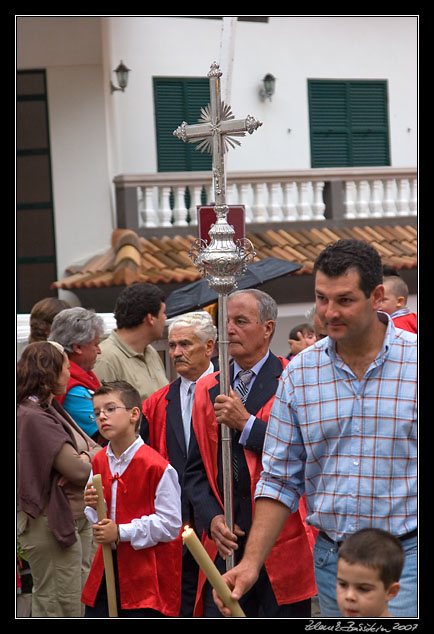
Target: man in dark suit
x,y
166,420
286,583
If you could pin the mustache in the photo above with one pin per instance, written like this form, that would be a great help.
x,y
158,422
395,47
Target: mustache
x,y
180,359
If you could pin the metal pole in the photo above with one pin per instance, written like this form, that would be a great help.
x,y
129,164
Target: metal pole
x,y
226,435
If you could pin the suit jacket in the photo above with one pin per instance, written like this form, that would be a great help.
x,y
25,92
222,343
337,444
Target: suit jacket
x,y
205,502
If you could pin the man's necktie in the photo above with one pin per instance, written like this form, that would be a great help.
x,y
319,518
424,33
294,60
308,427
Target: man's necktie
x,y
244,378
186,414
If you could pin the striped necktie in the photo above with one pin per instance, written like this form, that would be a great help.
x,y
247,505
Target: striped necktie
x,y
244,378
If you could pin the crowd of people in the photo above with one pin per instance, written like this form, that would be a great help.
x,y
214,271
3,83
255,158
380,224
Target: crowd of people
x,y
323,445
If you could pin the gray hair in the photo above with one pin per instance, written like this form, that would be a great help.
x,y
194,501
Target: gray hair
x,y
75,326
267,306
204,328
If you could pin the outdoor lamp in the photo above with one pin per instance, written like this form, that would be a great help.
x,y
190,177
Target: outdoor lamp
x,y
269,82
122,77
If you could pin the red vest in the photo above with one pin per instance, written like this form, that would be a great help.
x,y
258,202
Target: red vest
x,y
290,563
150,577
79,376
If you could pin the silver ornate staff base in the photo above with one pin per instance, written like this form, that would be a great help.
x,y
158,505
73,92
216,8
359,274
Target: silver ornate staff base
x,y
222,263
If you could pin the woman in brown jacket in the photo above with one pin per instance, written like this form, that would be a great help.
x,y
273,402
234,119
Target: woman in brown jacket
x,y
53,465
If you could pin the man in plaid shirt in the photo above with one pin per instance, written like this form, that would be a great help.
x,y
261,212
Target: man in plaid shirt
x,y
343,430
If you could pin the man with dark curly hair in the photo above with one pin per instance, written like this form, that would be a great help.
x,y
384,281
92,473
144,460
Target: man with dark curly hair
x,y
127,354
342,431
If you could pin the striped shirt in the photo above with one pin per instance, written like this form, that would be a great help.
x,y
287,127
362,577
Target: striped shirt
x,y
349,444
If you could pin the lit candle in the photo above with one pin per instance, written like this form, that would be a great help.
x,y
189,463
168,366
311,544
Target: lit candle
x,y
193,544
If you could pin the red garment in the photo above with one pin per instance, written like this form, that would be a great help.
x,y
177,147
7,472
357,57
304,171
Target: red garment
x,y
290,562
80,377
406,322
154,410
149,577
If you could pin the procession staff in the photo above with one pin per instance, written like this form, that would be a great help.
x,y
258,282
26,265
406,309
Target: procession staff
x,y
287,580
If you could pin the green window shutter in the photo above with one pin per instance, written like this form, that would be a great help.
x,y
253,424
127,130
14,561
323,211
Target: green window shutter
x,y
177,100
369,123
348,123
329,129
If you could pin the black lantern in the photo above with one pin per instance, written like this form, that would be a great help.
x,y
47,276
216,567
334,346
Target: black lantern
x,y
122,77
269,82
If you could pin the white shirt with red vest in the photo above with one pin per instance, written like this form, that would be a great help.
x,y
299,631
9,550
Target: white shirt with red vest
x,y
150,547
149,530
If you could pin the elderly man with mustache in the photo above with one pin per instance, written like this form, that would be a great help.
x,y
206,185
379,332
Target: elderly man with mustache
x,y
167,416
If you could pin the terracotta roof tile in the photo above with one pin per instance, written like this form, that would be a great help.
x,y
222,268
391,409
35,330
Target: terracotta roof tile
x,y
165,259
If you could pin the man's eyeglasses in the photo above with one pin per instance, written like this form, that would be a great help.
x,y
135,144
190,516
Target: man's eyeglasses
x,y
109,411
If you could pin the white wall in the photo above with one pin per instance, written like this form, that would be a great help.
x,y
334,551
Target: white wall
x,y
95,134
293,48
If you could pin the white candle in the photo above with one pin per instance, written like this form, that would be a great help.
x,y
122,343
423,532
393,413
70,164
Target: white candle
x,y
193,544
106,551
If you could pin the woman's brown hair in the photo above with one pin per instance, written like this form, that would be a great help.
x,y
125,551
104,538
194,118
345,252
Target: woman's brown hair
x,y
42,315
38,371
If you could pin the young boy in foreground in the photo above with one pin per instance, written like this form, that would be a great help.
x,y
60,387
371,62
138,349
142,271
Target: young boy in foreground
x,y
143,503
369,567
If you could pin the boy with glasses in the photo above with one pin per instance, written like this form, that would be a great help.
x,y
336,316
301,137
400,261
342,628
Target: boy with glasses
x,y
143,502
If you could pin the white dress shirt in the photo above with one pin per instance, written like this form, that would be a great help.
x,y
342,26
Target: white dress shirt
x,y
161,526
185,384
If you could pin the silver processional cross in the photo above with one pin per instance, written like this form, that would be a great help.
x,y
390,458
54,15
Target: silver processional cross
x,y
216,131
222,261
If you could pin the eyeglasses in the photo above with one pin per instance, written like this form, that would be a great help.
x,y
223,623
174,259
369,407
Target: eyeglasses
x,y
109,411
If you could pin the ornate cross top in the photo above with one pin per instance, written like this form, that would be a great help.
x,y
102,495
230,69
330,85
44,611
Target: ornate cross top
x,y
216,131
222,261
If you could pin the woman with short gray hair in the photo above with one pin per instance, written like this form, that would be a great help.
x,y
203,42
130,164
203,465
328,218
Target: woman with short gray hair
x,y
79,331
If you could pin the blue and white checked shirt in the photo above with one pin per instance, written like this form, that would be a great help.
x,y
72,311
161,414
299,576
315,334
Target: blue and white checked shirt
x,y
350,445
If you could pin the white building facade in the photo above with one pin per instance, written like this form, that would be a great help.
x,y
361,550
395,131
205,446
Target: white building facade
x,y
96,135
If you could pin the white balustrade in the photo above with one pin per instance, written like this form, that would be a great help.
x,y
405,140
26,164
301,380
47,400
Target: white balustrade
x,y
375,205
318,205
288,205
274,206
362,204
275,196
412,203
350,199
165,210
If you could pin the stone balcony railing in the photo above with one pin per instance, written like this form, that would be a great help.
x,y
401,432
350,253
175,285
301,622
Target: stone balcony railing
x,y
168,199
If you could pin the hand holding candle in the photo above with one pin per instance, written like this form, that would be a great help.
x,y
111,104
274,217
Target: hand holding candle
x,y
192,542
106,551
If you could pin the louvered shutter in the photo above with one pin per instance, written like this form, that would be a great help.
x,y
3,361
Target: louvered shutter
x,y
348,123
177,100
